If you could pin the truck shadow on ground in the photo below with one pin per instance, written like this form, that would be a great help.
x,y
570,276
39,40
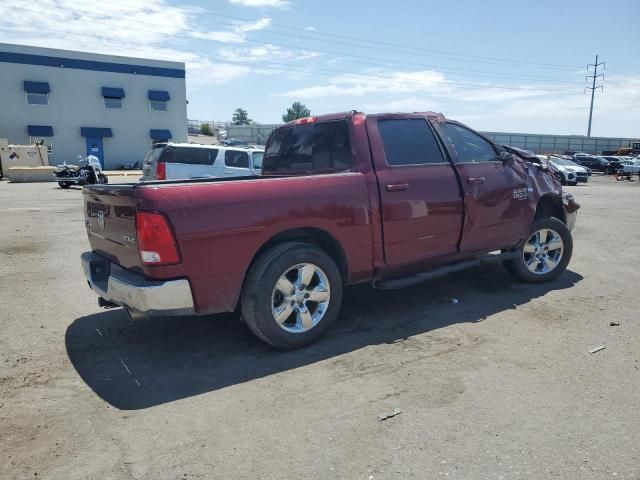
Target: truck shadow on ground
x,y
136,365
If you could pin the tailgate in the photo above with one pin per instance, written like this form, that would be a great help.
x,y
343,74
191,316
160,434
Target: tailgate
x,y
110,219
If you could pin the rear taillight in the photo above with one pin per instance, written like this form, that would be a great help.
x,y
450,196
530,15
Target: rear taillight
x,y
161,171
156,242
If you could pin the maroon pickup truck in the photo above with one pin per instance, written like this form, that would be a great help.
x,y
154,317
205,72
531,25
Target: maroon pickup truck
x,y
389,199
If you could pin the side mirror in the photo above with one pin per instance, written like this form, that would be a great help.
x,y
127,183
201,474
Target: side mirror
x,y
504,156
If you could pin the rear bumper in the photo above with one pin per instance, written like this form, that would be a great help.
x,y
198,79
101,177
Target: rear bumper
x,y
133,291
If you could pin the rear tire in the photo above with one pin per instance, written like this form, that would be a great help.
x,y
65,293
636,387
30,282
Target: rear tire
x,y
292,295
545,253
64,185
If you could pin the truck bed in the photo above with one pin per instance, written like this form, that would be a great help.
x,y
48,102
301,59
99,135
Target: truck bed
x,y
221,224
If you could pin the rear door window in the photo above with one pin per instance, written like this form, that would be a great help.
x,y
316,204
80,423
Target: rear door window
x,y
469,146
190,156
313,147
234,158
409,142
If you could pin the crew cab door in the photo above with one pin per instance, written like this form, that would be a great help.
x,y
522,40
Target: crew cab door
x,y
497,213
419,191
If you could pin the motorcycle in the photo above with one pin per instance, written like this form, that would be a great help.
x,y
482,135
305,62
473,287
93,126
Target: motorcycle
x,y
88,172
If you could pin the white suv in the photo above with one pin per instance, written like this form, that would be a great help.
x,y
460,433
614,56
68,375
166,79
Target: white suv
x,y
175,161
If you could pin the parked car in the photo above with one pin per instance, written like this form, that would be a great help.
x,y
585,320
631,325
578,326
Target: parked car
x,y
572,173
234,142
172,161
389,199
629,168
614,163
597,164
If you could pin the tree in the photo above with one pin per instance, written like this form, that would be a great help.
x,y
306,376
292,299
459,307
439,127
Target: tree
x,y
240,117
297,110
205,129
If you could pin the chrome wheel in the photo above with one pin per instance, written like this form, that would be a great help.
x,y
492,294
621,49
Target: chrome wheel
x,y
543,251
300,298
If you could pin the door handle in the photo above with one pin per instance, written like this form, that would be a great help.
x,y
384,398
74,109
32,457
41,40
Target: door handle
x,y
396,187
476,180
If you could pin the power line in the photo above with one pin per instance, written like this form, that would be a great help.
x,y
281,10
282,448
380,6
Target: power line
x,y
441,53
376,42
205,11
333,72
361,59
593,88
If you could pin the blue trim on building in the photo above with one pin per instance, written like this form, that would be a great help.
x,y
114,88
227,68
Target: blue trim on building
x,y
47,61
112,92
40,130
95,132
159,95
36,87
160,134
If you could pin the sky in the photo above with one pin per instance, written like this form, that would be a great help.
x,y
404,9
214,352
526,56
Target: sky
x,y
496,65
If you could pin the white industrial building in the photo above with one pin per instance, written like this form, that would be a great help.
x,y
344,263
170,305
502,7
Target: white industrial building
x,y
83,103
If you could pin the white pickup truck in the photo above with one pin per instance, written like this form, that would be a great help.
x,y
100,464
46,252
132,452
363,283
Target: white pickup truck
x,y
175,161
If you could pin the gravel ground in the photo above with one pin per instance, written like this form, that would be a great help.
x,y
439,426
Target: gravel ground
x,y
500,385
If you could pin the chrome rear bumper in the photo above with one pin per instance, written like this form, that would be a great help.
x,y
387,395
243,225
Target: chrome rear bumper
x,y
133,291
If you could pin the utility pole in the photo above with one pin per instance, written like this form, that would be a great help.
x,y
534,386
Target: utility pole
x,y
593,87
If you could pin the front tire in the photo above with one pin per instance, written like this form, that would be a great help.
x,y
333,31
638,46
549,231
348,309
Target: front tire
x,y
292,295
545,254
64,185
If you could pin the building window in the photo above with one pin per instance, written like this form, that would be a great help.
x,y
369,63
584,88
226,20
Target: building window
x,y
159,105
37,98
46,141
158,99
113,102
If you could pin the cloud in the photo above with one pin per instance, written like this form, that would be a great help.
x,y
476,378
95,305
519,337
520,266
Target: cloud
x,y
141,28
265,53
409,104
261,3
123,23
615,111
374,81
310,29
203,71
237,33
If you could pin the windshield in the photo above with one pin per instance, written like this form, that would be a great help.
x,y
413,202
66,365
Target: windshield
x,y
563,162
257,159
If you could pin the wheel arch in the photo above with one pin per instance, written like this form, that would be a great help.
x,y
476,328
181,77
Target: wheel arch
x,y
313,236
550,206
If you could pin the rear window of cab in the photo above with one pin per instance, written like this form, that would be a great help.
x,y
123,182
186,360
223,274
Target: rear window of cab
x,y
310,147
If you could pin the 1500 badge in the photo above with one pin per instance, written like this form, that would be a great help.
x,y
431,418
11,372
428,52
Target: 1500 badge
x,y
520,193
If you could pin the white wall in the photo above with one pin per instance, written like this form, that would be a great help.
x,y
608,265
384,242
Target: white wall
x,y
76,101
